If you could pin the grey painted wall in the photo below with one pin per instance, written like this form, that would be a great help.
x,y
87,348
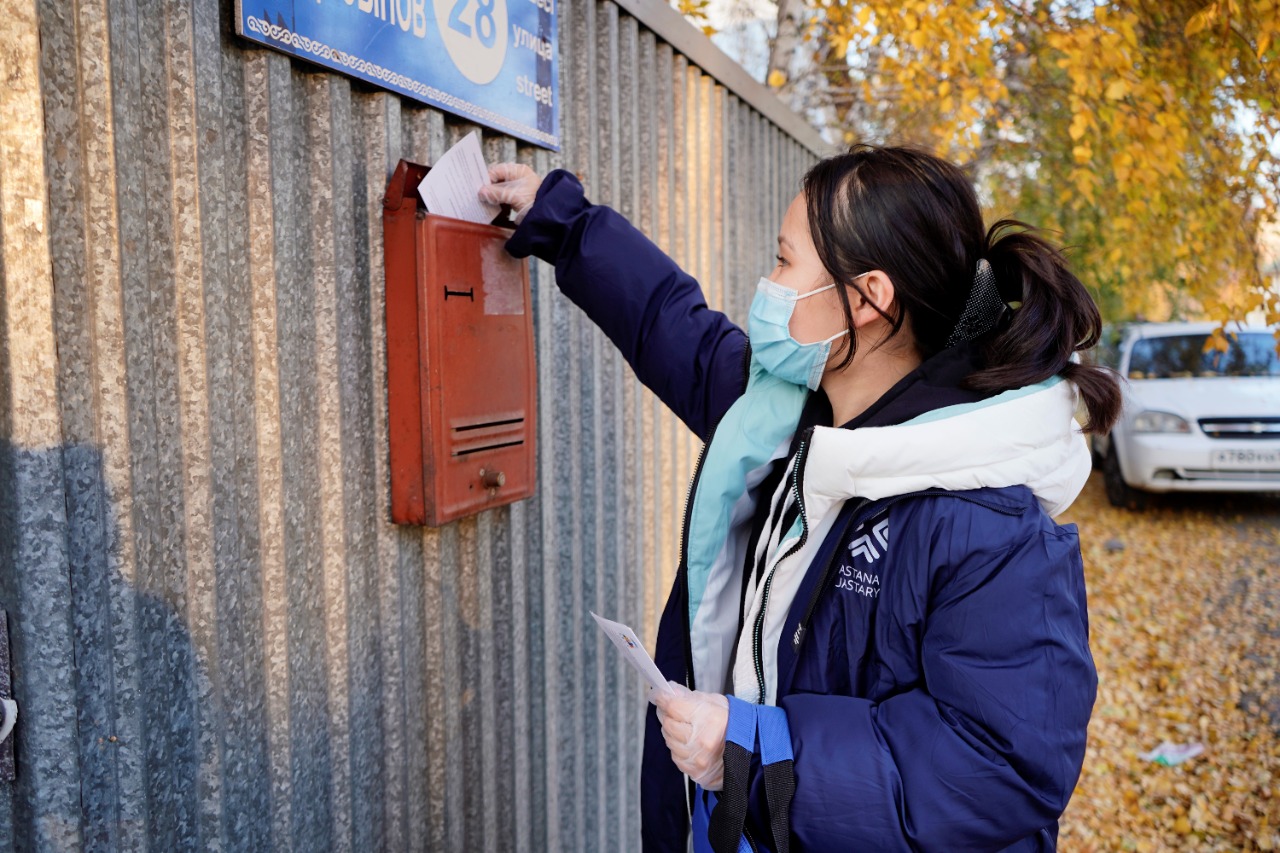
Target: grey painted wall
x,y
220,641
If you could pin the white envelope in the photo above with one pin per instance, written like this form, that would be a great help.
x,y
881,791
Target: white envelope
x,y
633,652
450,188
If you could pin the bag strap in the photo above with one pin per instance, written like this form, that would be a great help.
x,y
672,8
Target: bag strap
x,y
777,762
724,829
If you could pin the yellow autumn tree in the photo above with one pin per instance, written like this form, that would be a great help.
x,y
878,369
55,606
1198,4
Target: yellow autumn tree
x,y
696,13
1146,132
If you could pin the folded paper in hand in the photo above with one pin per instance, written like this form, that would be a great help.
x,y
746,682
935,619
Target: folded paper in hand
x,y
451,187
633,652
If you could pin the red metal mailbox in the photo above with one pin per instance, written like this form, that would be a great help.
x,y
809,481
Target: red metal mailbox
x,y
460,370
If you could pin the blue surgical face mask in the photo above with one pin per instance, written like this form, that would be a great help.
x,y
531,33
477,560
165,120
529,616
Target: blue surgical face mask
x,y
769,329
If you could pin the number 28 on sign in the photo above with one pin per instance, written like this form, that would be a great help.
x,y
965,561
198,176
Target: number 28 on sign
x,y
475,35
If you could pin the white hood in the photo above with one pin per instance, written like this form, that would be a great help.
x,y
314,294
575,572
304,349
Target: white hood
x,y
1206,397
1028,436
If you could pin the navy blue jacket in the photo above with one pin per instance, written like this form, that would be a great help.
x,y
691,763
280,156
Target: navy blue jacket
x,y
941,707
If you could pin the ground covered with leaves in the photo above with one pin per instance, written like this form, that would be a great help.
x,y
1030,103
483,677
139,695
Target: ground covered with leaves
x,y
1184,605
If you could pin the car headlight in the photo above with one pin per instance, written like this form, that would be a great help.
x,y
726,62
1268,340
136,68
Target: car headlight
x,y
1152,421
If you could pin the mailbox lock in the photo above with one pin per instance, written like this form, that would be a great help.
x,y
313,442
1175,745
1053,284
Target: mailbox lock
x,y
493,479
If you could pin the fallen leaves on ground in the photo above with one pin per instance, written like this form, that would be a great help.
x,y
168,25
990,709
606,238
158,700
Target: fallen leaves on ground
x,y
1184,608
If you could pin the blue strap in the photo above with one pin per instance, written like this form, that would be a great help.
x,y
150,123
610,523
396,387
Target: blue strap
x,y
777,765
704,804
741,728
724,827
775,734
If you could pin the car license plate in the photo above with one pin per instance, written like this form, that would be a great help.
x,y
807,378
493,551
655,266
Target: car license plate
x,y
1250,459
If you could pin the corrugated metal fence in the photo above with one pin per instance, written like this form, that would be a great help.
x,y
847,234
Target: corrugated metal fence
x,y
220,641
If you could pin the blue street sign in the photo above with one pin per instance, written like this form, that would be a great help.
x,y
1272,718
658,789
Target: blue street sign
x,y
490,61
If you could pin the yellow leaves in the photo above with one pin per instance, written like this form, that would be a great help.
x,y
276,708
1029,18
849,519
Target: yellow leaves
x,y
938,66
1192,602
1122,166
1105,118
1147,121
1201,20
696,12
840,42
1083,119
777,79
1084,182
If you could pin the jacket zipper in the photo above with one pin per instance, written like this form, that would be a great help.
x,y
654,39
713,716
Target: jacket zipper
x,y
858,516
684,529
757,630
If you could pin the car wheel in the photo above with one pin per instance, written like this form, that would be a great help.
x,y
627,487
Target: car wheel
x,y
1120,493
1094,454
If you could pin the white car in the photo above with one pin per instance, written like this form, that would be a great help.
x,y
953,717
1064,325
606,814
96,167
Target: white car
x,y
1193,420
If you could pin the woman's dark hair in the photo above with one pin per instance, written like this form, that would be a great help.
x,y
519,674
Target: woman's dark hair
x,y
916,217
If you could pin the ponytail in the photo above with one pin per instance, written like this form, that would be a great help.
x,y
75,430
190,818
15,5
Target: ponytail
x,y
1057,317
916,217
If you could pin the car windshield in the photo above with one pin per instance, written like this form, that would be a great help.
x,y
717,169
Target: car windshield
x,y
1185,356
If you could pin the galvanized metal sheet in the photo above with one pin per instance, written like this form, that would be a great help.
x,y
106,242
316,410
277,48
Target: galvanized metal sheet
x,y
220,640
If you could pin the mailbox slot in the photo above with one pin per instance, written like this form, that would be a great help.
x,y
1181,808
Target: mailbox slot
x,y
461,377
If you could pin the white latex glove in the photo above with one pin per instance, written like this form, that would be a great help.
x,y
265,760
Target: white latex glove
x,y
693,725
513,184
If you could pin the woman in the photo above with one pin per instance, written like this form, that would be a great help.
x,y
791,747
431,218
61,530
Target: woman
x,y
877,636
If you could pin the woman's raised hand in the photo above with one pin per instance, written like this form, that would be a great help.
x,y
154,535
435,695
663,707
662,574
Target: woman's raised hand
x,y
513,184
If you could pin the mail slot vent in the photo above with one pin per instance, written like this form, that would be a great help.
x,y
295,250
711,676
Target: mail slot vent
x,y
460,369
491,435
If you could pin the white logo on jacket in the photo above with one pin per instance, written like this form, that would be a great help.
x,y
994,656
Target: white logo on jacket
x,y
854,579
865,548
876,463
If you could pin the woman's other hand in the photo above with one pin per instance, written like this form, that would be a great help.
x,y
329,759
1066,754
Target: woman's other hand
x,y
513,184
693,725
